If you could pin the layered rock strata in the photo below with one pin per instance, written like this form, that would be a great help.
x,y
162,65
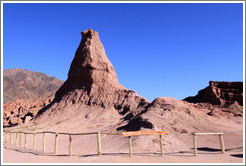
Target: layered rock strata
x,y
219,93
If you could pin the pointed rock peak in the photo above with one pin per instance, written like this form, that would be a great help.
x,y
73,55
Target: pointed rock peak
x,y
89,33
90,69
92,81
91,64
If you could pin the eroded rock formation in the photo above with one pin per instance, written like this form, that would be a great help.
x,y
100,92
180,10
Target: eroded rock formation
x,y
91,99
21,111
92,81
92,95
220,93
92,89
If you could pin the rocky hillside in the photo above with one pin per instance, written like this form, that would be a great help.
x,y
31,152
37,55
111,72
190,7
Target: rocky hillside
x,y
220,93
25,84
21,111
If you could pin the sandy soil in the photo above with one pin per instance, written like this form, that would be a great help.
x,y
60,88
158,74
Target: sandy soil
x,y
115,148
20,155
84,149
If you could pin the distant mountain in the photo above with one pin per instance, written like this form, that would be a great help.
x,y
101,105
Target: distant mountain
x,y
26,84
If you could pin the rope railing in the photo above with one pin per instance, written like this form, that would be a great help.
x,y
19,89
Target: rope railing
x,y
99,147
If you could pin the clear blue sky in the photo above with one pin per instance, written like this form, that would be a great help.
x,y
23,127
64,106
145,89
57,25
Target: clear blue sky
x,y
157,50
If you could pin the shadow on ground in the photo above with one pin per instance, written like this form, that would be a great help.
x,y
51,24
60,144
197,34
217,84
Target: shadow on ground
x,y
208,149
237,155
152,154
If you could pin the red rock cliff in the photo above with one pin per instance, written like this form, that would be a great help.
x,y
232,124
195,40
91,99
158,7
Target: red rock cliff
x,y
219,93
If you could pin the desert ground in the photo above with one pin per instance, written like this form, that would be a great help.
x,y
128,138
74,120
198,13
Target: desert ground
x,y
115,148
29,156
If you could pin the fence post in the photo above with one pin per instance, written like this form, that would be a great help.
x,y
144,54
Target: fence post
x,y
20,139
161,144
195,144
222,143
5,141
70,144
34,141
99,147
130,145
16,138
56,142
44,139
10,138
25,140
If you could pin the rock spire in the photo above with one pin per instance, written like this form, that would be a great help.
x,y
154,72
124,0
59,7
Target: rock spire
x,y
92,81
